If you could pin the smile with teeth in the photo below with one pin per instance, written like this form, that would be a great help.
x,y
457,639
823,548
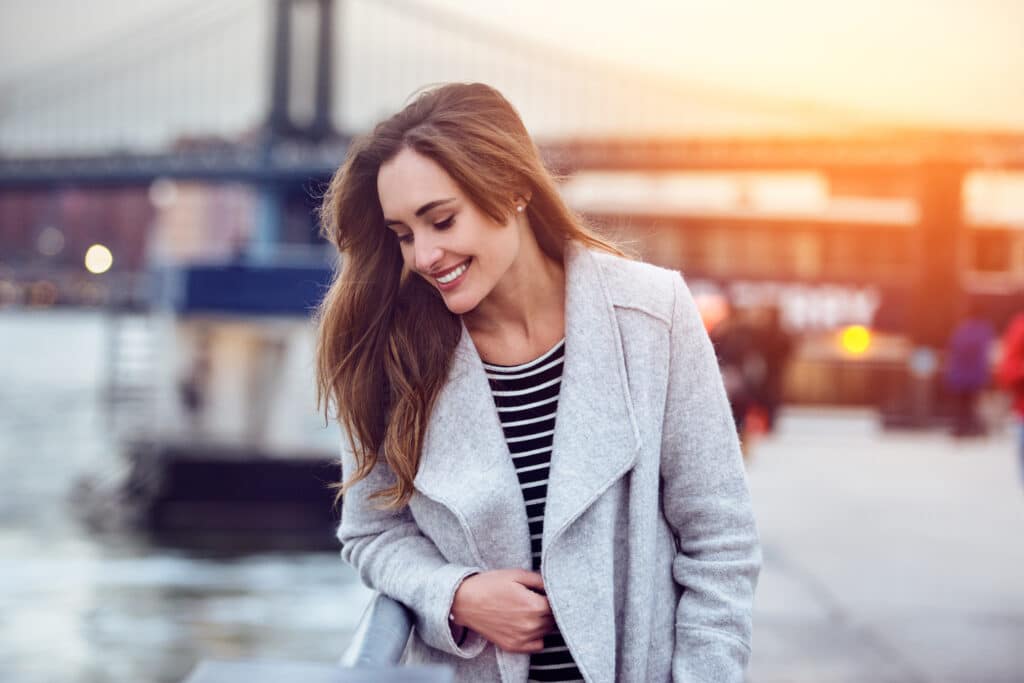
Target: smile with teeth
x,y
453,275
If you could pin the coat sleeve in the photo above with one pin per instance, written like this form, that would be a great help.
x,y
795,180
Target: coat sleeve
x,y
707,503
393,557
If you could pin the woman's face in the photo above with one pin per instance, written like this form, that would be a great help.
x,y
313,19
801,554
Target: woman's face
x,y
445,237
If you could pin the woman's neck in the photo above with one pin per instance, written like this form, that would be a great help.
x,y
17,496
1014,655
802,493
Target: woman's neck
x,y
523,313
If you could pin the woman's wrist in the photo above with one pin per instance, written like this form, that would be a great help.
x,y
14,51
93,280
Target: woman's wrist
x,y
459,632
452,618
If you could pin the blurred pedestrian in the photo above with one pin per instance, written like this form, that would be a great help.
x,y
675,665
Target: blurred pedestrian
x,y
733,341
194,386
1010,375
967,370
774,345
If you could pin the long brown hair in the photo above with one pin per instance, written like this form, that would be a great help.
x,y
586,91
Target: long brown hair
x,y
385,338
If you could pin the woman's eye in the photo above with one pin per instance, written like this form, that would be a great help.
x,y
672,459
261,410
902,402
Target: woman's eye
x,y
405,238
446,223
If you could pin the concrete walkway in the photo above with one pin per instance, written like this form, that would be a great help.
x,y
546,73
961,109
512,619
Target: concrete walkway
x,y
888,556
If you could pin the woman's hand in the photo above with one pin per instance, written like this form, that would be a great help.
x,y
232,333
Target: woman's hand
x,y
505,606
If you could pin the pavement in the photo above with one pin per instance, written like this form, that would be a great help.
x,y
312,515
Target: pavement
x,y
888,556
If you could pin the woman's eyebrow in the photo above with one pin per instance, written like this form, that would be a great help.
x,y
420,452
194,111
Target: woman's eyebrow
x,y
423,209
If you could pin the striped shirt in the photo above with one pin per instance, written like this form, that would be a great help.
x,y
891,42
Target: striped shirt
x,y
526,397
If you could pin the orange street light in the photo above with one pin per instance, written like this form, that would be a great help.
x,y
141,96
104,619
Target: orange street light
x,y
855,339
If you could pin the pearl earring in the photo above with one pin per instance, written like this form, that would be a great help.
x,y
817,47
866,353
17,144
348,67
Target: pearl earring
x,y
520,208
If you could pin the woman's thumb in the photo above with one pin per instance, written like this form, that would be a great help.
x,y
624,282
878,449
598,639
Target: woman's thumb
x,y
532,580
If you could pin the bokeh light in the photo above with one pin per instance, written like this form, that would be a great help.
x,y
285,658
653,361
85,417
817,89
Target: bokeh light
x,y
42,294
50,241
98,259
713,309
163,192
855,339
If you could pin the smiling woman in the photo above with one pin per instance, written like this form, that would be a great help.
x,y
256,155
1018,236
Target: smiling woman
x,y
539,457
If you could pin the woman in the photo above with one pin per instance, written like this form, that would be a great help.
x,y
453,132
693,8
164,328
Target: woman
x,y
540,462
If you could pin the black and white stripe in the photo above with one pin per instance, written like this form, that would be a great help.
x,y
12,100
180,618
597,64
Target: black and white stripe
x,y
526,397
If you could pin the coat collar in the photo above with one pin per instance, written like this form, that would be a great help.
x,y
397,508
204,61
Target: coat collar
x,y
465,463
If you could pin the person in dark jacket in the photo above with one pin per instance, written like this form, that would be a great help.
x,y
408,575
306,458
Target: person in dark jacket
x,y
967,370
734,343
775,346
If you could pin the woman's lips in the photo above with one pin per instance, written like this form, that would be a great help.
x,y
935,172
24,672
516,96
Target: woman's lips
x,y
460,271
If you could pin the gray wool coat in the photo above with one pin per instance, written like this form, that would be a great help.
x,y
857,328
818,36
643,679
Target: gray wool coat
x,y
650,551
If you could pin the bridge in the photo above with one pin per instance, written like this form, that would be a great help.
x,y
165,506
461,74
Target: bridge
x,y
183,98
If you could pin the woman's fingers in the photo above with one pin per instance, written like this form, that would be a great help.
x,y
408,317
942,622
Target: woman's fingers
x,y
532,580
534,638
547,626
524,637
536,603
534,645
548,623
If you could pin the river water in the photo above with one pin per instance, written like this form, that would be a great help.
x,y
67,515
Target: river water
x,y
81,605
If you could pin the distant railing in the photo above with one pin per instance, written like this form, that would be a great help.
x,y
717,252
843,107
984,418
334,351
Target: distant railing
x,y
381,635
373,654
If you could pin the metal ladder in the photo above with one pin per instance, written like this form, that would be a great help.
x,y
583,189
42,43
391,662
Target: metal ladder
x,y
129,392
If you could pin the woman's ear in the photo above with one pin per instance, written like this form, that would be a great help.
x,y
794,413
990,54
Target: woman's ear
x,y
523,198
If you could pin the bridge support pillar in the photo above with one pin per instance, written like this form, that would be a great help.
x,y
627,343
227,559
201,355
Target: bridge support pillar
x,y
937,286
269,222
941,238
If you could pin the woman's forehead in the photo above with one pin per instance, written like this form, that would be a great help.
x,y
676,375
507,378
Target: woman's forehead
x,y
411,180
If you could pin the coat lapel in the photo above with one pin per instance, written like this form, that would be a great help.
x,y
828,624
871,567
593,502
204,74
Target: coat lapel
x,y
596,437
465,464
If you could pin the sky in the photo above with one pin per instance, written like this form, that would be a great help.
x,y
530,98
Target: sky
x,y
924,60
957,63
942,60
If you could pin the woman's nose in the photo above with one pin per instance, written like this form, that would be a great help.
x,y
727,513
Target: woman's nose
x,y
428,255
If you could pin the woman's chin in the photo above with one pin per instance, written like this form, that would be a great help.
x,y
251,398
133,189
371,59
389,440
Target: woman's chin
x,y
459,304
